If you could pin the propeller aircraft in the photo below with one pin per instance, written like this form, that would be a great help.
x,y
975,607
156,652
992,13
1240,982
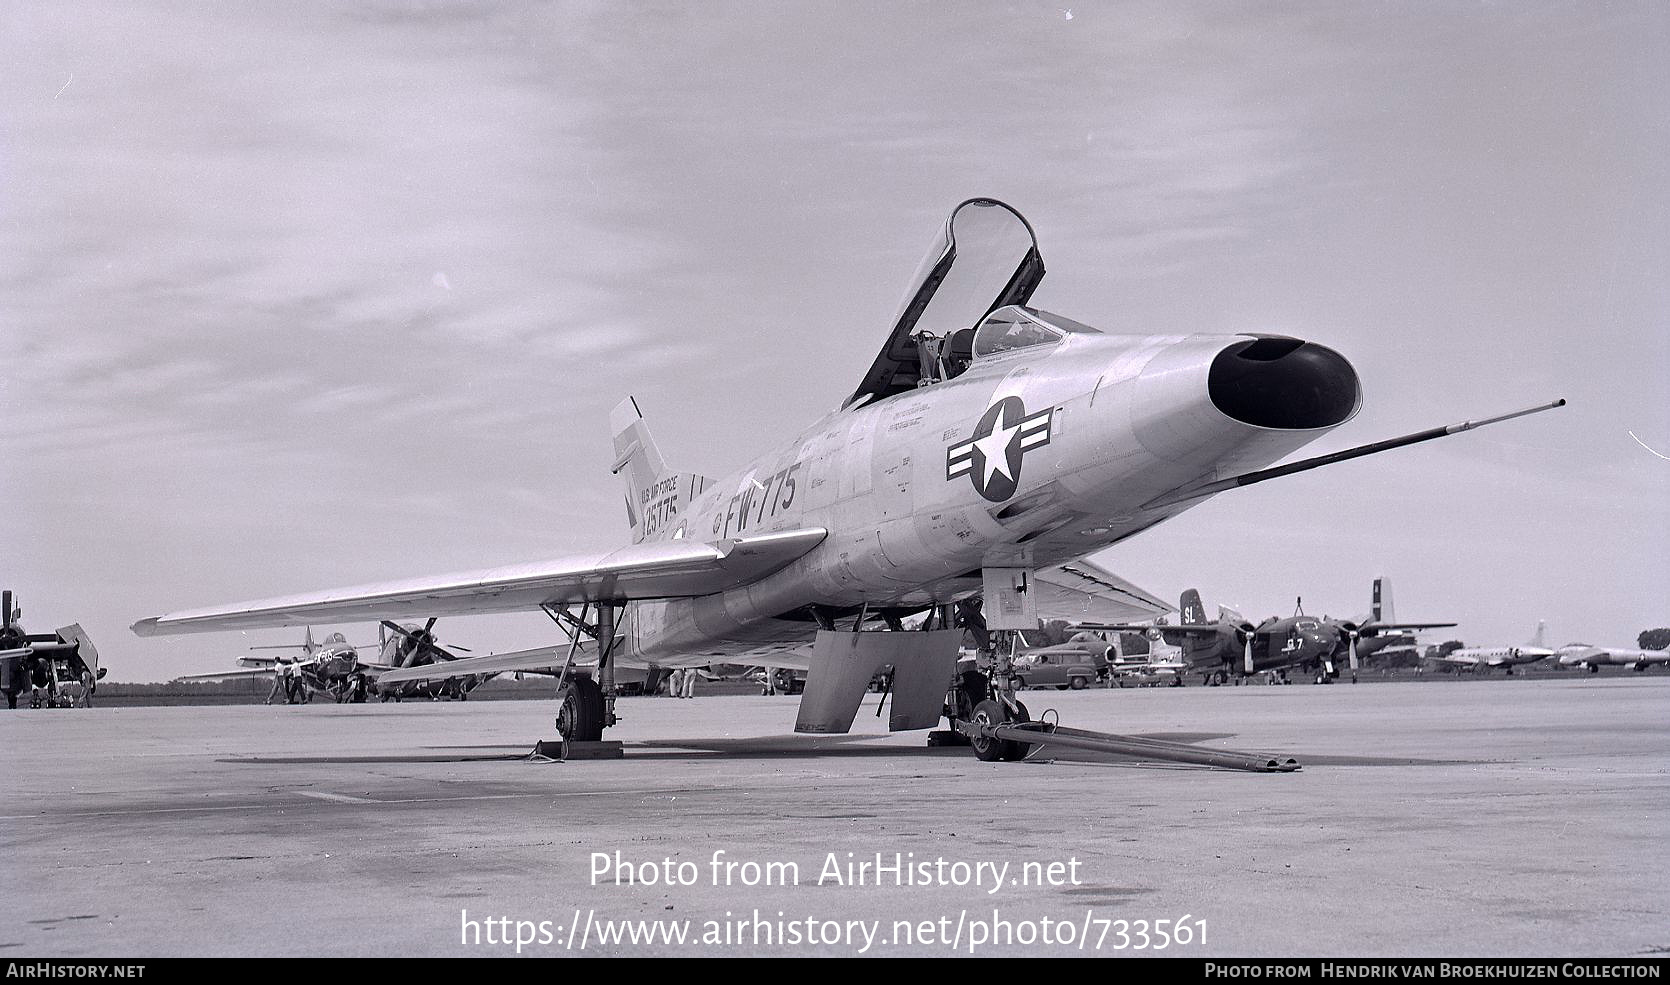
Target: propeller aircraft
x,y
61,669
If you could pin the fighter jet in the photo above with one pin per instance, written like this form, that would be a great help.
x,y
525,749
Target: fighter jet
x,y
1232,645
61,670
1591,658
990,447
1490,657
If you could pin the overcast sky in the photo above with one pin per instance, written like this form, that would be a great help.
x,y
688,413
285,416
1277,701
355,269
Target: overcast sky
x,y
295,296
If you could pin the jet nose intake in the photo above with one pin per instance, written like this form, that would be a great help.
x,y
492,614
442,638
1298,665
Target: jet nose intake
x,y
1283,384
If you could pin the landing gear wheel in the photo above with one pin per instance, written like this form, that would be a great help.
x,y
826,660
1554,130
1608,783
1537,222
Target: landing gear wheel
x,y
580,718
993,750
987,749
1018,750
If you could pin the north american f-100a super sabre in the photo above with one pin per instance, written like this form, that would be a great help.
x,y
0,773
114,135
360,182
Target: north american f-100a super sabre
x,y
988,450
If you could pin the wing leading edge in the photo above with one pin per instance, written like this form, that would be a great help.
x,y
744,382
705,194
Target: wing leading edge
x,y
667,569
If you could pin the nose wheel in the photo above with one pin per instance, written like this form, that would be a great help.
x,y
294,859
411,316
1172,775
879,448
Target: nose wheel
x,y
989,749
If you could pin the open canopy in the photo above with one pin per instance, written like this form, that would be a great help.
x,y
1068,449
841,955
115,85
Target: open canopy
x,y
985,258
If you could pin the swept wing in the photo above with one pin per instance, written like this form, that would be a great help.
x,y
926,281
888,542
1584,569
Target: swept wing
x,y
667,569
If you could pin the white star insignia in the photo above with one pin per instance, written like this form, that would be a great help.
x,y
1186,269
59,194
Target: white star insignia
x,y
995,447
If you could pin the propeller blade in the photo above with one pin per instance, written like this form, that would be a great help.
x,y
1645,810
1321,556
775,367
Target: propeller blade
x,y
1352,650
1246,656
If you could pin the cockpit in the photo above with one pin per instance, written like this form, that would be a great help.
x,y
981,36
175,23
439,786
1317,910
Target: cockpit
x,y
965,303
1017,327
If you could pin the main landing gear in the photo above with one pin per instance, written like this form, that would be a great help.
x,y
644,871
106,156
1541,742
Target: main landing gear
x,y
585,703
580,710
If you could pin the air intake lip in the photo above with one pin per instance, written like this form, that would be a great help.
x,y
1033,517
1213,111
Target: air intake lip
x,y
1283,384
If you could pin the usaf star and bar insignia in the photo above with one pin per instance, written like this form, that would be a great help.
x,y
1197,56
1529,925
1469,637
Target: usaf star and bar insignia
x,y
992,458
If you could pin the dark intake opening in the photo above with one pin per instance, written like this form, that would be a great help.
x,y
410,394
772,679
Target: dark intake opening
x,y
1283,383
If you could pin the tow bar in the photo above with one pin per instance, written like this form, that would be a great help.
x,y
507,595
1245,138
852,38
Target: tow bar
x,y
1020,737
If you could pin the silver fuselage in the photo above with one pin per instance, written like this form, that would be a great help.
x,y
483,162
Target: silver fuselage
x,y
1132,419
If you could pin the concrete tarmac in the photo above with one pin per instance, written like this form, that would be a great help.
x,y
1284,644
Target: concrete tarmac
x,y
1521,817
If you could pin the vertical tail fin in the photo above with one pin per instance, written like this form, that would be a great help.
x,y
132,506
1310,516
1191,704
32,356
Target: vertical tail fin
x,y
1542,627
656,498
1191,609
1381,610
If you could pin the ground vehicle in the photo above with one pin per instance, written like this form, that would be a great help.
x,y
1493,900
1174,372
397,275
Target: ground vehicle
x,y
1056,669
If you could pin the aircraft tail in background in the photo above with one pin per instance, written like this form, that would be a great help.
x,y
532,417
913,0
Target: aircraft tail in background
x,y
1380,610
1192,612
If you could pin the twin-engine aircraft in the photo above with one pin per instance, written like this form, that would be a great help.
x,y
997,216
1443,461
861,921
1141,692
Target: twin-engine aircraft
x,y
60,670
1232,645
989,448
